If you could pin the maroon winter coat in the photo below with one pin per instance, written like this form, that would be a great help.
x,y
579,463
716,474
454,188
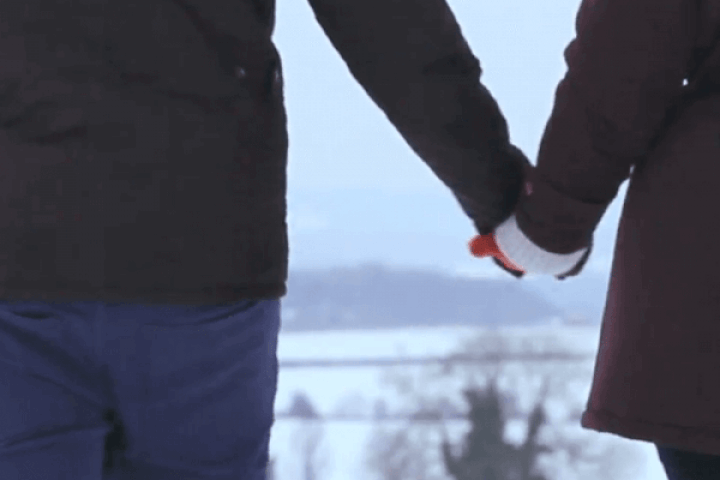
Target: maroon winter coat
x,y
623,104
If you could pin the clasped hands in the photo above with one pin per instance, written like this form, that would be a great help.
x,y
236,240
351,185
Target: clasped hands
x,y
482,246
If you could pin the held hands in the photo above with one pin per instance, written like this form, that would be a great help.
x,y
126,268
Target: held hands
x,y
483,246
516,253
527,258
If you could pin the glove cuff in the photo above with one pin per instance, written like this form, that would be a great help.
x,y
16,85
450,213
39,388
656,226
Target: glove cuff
x,y
521,251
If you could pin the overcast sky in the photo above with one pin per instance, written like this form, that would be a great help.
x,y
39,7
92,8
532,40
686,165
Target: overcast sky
x,y
341,143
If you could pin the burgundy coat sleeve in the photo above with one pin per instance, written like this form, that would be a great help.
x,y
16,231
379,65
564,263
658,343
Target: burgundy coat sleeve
x,y
413,61
626,68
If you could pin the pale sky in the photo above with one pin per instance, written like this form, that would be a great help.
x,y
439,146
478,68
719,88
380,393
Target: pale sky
x,y
343,147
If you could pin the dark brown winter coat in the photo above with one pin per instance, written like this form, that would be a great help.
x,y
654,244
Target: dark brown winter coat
x,y
143,143
622,104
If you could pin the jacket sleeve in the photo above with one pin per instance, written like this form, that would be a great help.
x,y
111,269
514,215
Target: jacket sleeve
x,y
625,75
412,60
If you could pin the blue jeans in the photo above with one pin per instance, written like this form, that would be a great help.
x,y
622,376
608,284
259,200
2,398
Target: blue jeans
x,y
191,389
683,465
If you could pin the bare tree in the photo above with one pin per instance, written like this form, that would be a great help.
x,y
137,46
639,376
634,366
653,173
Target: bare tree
x,y
485,453
380,410
302,406
308,438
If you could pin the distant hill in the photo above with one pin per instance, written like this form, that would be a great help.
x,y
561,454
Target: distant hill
x,y
331,228
375,296
581,296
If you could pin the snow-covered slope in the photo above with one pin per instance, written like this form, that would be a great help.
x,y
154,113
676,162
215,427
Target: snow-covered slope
x,y
343,444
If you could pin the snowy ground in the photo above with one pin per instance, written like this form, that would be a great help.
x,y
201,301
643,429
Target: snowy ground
x,y
343,444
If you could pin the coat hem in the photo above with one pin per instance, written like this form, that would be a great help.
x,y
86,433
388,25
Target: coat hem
x,y
194,297
673,436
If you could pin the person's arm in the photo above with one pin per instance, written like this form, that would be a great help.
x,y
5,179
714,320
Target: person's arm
x,y
626,68
625,75
412,60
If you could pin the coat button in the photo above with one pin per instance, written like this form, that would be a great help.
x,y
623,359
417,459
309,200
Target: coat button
x,y
277,75
240,72
528,188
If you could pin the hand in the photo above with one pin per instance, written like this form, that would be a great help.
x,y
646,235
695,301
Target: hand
x,y
485,246
497,200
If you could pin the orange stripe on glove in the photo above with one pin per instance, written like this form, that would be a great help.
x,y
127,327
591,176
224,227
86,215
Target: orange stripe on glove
x,y
485,246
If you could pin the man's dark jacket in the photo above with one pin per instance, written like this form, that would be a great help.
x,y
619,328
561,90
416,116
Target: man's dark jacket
x,y
144,144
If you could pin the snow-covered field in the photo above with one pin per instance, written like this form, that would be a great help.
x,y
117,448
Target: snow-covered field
x,y
355,390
